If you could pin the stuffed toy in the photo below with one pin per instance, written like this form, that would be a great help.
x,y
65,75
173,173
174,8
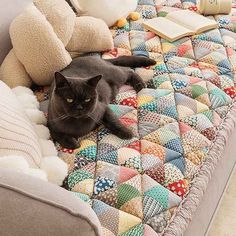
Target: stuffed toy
x,y
113,12
44,38
123,21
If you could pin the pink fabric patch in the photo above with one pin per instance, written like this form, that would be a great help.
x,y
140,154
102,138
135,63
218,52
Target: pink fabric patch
x,y
148,231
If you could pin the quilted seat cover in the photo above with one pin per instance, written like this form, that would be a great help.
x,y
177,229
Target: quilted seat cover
x,y
135,186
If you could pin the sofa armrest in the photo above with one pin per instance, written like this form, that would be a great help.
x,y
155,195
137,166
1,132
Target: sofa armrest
x,y
32,207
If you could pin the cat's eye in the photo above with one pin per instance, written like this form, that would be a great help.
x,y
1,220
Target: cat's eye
x,y
69,100
87,100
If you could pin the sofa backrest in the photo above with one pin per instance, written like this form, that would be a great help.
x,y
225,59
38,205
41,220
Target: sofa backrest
x,y
9,9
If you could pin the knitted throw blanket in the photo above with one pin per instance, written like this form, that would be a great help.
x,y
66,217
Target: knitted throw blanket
x,y
152,184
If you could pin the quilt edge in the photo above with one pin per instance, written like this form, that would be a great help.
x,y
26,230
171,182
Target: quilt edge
x,y
186,209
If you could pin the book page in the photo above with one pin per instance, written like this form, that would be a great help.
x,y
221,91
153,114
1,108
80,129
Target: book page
x,y
166,29
192,20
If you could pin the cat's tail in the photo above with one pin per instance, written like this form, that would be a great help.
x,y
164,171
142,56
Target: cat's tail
x,y
132,61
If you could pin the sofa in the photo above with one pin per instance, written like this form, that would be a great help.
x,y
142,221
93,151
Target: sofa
x,y
31,206
28,205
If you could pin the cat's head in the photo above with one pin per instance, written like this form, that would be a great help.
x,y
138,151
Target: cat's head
x,y
77,96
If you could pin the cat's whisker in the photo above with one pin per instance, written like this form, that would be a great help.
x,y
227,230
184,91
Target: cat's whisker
x,y
60,118
97,122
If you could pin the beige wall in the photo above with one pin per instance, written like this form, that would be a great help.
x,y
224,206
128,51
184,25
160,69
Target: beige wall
x,y
8,10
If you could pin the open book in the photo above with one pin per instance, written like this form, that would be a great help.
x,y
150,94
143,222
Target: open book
x,y
179,24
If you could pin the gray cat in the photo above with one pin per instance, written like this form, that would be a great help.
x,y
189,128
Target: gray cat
x,y
80,95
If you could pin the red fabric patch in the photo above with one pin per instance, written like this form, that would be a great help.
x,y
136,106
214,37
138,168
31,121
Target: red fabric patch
x,y
209,133
65,150
182,49
130,101
180,187
135,145
231,91
127,121
193,8
113,53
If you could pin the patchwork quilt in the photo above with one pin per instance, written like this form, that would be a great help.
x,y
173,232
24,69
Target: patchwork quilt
x,y
136,186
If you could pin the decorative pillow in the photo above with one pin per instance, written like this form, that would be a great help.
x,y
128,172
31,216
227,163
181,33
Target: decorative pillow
x,y
108,10
79,40
24,145
37,46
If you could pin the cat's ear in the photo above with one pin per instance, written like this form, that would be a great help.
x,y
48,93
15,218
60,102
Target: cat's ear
x,y
92,82
60,80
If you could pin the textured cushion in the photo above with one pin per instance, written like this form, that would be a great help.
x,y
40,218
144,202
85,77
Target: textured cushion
x,y
90,29
13,73
62,18
24,141
17,135
37,46
34,207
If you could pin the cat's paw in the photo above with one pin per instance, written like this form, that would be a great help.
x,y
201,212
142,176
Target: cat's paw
x,y
139,86
125,134
71,143
150,62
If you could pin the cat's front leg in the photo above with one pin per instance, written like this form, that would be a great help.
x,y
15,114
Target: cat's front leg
x,y
65,140
111,122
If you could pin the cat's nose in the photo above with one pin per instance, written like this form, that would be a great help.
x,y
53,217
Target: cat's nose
x,y
79,107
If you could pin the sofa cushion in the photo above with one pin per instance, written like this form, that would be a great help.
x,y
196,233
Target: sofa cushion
x,y
17,134
34,207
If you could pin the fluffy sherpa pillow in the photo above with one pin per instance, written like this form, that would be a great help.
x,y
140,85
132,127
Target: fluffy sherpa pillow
x,y
79,41
44,37
108,10
24,140
37,46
